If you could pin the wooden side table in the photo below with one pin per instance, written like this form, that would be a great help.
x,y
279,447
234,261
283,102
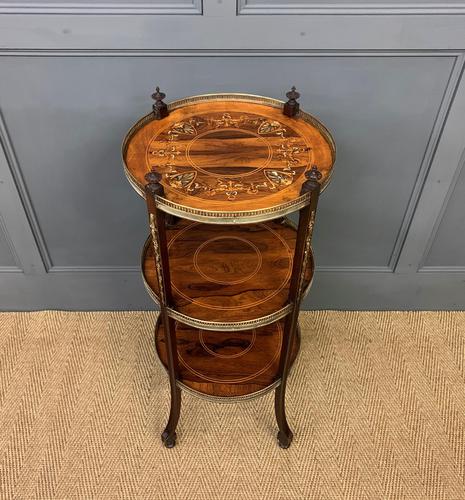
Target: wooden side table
x,y
220,173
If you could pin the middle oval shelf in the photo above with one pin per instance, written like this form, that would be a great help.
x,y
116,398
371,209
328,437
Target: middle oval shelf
x,y
227,277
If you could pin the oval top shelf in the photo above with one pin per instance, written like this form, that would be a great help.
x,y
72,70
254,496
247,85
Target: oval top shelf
x,y
228,157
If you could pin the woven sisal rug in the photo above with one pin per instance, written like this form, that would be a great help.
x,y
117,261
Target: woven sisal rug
x,y
376,400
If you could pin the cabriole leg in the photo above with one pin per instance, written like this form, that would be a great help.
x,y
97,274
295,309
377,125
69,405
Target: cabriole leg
x,y
290,331
285,434
168,436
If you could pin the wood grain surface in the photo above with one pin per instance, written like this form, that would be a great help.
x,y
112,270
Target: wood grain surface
x,y
226,364
228,273
225,155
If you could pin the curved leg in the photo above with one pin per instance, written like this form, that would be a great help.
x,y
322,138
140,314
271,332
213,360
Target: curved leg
x,y
168,436
291,329
285,434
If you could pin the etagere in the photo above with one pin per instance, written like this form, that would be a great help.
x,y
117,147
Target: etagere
x,y
229,270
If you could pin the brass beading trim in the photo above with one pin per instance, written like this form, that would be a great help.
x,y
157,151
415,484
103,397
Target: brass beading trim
x,y
224,399
221,217
219,326
242,217
201,323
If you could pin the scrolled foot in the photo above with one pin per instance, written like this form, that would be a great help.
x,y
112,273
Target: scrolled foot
x,y
168,440
285,440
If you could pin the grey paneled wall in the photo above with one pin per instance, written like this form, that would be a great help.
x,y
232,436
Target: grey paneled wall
x,y
448,249
102,7
89,128
348,6
295,3
390,88
7,260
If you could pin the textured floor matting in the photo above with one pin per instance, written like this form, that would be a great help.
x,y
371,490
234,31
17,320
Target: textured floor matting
x,y
376,400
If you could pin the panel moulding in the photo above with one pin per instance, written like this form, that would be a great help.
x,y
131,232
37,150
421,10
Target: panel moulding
x,y
416,192
192,7
245,7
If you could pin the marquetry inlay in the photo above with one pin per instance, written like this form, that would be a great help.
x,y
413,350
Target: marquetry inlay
x,y
219,154
228,156
228,273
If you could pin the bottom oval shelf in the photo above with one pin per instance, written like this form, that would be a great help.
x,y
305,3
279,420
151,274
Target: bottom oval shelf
x,y
229,365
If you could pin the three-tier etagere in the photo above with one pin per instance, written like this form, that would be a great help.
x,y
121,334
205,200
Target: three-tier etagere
x,y
229,270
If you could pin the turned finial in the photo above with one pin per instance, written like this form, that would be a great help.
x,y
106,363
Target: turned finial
x,y
313,177
313,174
291,107
160,109
153,185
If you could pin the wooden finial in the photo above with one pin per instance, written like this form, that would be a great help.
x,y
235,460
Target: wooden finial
x,y
160,109
153,185
291,107
313,177
153,177
313,174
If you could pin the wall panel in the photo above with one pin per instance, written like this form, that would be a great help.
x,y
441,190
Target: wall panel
x,y
448,248
6,257
69,146
385,77
354,7
101,7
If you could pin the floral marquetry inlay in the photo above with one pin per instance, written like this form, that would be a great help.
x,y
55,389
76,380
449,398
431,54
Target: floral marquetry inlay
x,y
228,156
233,158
